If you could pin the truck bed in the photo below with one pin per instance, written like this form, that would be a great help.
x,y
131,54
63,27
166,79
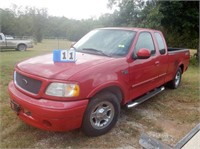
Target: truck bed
x,y
177,57
169,49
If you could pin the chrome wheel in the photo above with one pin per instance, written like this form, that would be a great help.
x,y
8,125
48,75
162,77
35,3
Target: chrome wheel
x,y
102,115
174,84
177,78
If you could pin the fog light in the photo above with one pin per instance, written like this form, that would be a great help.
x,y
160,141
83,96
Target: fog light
x,y
47,123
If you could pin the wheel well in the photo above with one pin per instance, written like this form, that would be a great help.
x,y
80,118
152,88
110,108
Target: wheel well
x,y
21,44
115,90
182,67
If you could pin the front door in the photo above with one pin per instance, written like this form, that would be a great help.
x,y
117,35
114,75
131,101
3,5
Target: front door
x,y
2,42
144,72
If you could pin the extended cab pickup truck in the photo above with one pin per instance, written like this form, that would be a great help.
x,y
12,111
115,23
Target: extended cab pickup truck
x,y
9,43
114,67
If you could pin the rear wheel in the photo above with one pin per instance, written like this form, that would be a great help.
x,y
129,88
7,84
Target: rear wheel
x,y
21,47
177,79
101,114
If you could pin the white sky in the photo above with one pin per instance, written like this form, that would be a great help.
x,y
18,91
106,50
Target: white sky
x,y
73,9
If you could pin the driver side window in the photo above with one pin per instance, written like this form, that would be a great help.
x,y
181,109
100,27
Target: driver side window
x,y
145,41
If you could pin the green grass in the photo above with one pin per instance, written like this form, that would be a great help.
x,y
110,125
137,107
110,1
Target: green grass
x,y
12,129
177,106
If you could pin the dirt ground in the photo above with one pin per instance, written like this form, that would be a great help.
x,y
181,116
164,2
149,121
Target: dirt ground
x,y
159,117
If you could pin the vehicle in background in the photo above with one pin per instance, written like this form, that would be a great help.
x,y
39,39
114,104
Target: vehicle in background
x,y
9,37
8,42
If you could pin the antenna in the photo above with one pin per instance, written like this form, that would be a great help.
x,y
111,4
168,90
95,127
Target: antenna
x,y
58,41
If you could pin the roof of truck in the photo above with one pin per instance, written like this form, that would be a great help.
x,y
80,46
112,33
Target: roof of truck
x,y
130,28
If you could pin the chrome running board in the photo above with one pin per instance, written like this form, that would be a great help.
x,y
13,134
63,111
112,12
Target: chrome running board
x,y
145,97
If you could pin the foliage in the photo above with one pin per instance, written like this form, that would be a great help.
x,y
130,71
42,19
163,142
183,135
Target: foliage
x,y
27,23
151,16
37,23
177,19
8,21
183,28
194,61
181,21
128,11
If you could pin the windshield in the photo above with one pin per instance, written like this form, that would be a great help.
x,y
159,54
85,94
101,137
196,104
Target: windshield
x,y
107,42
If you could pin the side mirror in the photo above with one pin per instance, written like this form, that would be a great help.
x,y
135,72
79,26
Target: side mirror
x,y
143,53
72,44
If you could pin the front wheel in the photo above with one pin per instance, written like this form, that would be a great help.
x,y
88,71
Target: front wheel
x,y
176,80
101,114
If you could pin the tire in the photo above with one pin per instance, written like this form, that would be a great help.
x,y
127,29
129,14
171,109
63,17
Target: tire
x,y
101,114
21,47
174,84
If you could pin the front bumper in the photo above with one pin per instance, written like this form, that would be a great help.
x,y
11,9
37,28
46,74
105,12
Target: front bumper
x,y
47,114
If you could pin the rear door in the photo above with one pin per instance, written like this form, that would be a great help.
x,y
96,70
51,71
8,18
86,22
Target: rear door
x,y
163,57
144,72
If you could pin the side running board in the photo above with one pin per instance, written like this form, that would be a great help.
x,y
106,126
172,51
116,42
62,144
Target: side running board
x,y
145,97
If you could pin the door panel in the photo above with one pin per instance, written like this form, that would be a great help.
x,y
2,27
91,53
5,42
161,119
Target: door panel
x,y
11,43
163,57
144,72
144,76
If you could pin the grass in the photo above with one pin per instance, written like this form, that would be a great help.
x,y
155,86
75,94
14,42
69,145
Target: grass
x,y
173,112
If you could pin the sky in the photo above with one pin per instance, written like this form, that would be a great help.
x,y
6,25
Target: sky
x,y
72,9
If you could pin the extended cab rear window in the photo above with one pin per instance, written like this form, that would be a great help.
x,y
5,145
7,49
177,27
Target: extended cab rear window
x,y
160,42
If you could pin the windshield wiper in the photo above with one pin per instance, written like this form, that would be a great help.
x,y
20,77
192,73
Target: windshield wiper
x,y
95,50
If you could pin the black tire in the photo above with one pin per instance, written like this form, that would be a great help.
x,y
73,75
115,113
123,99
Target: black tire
x,y
174,84
101,114
21,47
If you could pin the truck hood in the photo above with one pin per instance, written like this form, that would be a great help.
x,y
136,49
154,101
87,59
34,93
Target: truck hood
x,y
44,66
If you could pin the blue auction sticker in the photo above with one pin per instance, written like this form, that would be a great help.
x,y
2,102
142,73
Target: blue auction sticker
x,y
64,55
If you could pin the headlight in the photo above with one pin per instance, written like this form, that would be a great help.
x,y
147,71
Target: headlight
x,y
63,90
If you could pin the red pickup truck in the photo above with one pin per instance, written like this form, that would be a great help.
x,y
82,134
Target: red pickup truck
x,y
114,67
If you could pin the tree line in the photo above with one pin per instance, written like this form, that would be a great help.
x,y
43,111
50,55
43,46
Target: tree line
x,y
178,20
38,24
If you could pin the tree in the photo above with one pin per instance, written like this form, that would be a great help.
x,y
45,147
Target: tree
x,y
181,22
30,22
39,18
8,21
129,11
151,16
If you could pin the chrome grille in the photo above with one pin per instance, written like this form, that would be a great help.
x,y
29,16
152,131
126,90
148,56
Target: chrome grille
x,y
26,83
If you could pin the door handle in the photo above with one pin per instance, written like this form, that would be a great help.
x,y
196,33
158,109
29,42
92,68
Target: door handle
x,y
157,63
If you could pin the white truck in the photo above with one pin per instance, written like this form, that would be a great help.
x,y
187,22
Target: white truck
x,y
20,45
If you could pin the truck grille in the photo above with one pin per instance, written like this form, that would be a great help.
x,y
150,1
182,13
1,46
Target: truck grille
x,y
28,84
